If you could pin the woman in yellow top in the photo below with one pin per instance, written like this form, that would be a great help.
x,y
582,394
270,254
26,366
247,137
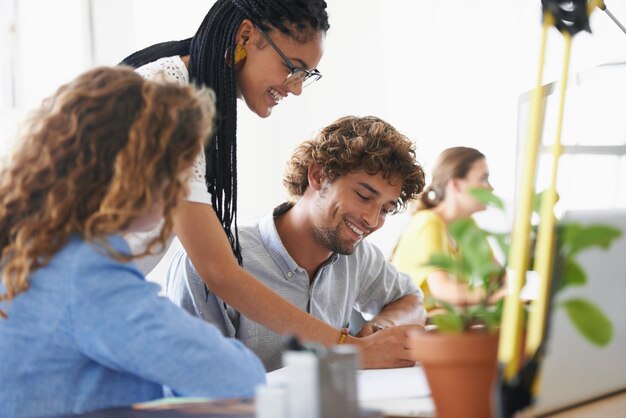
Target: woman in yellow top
x,y
445,200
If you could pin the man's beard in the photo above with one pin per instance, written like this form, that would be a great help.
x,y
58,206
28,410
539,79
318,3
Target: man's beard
x,y
331,240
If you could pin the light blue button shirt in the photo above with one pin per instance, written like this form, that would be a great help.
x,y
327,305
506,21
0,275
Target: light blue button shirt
x,y
363,281
91,333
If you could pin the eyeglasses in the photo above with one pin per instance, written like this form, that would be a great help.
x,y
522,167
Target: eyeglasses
x,y
297,75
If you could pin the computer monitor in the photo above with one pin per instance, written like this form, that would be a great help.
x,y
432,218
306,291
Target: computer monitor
x,y
574,370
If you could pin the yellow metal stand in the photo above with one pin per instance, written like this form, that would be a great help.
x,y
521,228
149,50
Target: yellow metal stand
x,y
510,345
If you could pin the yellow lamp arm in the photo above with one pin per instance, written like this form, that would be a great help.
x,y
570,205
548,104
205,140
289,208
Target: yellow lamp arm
x,y
508,347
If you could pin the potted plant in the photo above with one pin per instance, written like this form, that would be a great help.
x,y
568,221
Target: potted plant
x,y
459,354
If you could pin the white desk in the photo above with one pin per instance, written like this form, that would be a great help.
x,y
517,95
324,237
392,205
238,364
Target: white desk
x,y
396,392
404,393
612,406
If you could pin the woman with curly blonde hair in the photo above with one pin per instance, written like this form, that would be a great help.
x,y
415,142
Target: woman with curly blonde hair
x,y
108,153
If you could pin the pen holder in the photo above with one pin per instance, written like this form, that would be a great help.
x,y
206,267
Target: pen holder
x,y
322,383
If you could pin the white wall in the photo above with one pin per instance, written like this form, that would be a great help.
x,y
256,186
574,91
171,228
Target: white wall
x,y
445,73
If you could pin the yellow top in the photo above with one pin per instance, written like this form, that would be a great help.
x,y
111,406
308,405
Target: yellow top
x,y
425,235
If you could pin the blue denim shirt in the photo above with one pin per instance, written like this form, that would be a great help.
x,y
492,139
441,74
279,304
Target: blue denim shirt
x,y
91,333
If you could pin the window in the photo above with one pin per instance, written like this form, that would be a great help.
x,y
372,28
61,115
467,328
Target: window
x,y
592,169
7,73
7,54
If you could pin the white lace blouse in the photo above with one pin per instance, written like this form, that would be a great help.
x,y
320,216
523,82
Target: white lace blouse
x,y
174,70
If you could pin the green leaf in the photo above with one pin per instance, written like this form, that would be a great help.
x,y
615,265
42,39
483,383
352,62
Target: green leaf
x,y
473,311
537,202
448,322
489,270
573,274
462,228
450,308
492,319
443,261
498,309
538,199
569,231
472,243
487,197
593,236
589,320
477,260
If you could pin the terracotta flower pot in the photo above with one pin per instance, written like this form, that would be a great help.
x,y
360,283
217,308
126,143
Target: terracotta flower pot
x,y
461,369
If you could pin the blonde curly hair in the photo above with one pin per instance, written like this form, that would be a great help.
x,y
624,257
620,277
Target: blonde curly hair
x,y
356,143
95,156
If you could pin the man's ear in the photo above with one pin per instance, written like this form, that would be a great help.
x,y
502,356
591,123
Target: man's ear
x,y
246,27
315,176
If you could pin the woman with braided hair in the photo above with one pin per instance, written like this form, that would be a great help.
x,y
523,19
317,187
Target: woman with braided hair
x,y
259,51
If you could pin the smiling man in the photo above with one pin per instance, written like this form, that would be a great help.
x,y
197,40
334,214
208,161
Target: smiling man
x,y
343,184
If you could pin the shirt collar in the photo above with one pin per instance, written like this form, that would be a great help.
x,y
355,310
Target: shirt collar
x,y
274,245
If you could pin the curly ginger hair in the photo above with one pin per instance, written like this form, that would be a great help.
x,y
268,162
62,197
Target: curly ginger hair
x,y
98,154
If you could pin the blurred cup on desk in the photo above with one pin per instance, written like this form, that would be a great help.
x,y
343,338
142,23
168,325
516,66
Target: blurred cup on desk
x,y
271,402
322,383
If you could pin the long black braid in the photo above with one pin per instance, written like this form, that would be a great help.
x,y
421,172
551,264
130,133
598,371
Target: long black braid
x,y
208,67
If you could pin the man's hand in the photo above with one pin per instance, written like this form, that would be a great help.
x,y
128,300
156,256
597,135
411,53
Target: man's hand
x,y
387,348
408,309
373,326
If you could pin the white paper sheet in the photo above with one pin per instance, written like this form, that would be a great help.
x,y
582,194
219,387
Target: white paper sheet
x,y
381,384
